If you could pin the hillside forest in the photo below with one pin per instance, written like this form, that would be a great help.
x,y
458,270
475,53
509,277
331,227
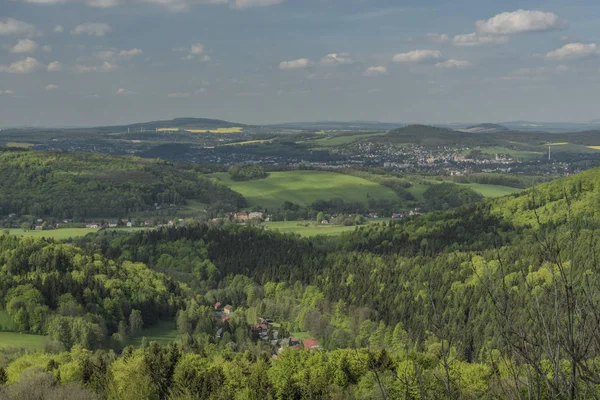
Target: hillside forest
x,y
494,299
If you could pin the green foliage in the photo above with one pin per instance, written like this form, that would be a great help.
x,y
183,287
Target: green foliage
x,y
247,172
80,185
447,195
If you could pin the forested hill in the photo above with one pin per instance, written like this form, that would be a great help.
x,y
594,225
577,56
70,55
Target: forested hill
x,y
87,185
473,302
431,136
182,123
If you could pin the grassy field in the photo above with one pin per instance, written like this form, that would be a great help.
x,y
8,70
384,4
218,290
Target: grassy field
x,y
309,229
234,129
19,144
257,141
492,190
305,187
60,234
417,189
163,333
56,233
13,339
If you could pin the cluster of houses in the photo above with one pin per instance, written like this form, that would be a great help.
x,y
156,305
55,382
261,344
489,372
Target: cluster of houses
x,y
265,331
404,214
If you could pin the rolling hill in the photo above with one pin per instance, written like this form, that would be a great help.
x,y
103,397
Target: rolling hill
x,y
181,123
87,185
306,187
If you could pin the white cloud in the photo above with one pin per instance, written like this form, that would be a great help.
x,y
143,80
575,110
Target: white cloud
x,y
453,63
11,26
6,92
253,3
336,58
520,21
475,39
122,92
130,53
573,50
195,52
55,66
47,49
104,67
92,29
51,87
25,46
375,71
300,63
21,67
58,29
417,56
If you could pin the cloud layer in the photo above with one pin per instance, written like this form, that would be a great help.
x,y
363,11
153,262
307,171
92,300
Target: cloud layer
x,y
25,66
417,56
572,51
300,63
520,21
11,26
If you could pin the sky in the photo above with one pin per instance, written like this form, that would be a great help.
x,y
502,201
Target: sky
x,y
105,62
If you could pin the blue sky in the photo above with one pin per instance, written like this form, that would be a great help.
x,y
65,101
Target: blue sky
x,y
87,62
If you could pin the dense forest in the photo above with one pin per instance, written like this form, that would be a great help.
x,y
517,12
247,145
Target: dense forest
x,y
494,299
247,172
45,184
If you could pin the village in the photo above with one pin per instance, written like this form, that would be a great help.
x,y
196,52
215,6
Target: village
x,y
265,330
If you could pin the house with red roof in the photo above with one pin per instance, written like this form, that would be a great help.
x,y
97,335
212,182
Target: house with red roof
x,y
310,344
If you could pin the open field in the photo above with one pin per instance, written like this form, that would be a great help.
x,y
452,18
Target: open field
x,y
309,228
234,129
492,190
417,189
257,141
60,234
14,339
305,187
594,147
19,144
163,333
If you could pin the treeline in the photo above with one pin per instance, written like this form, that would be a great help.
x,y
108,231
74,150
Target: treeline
x,y
516,181
290,211
86,185
449,195
78,299
247,172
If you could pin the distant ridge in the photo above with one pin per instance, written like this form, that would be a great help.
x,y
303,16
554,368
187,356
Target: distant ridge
x,y
485,128
199,123
433,136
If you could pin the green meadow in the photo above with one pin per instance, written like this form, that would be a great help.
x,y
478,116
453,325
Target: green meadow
x,y
309,229
61,234
163,333
305,187
14,339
